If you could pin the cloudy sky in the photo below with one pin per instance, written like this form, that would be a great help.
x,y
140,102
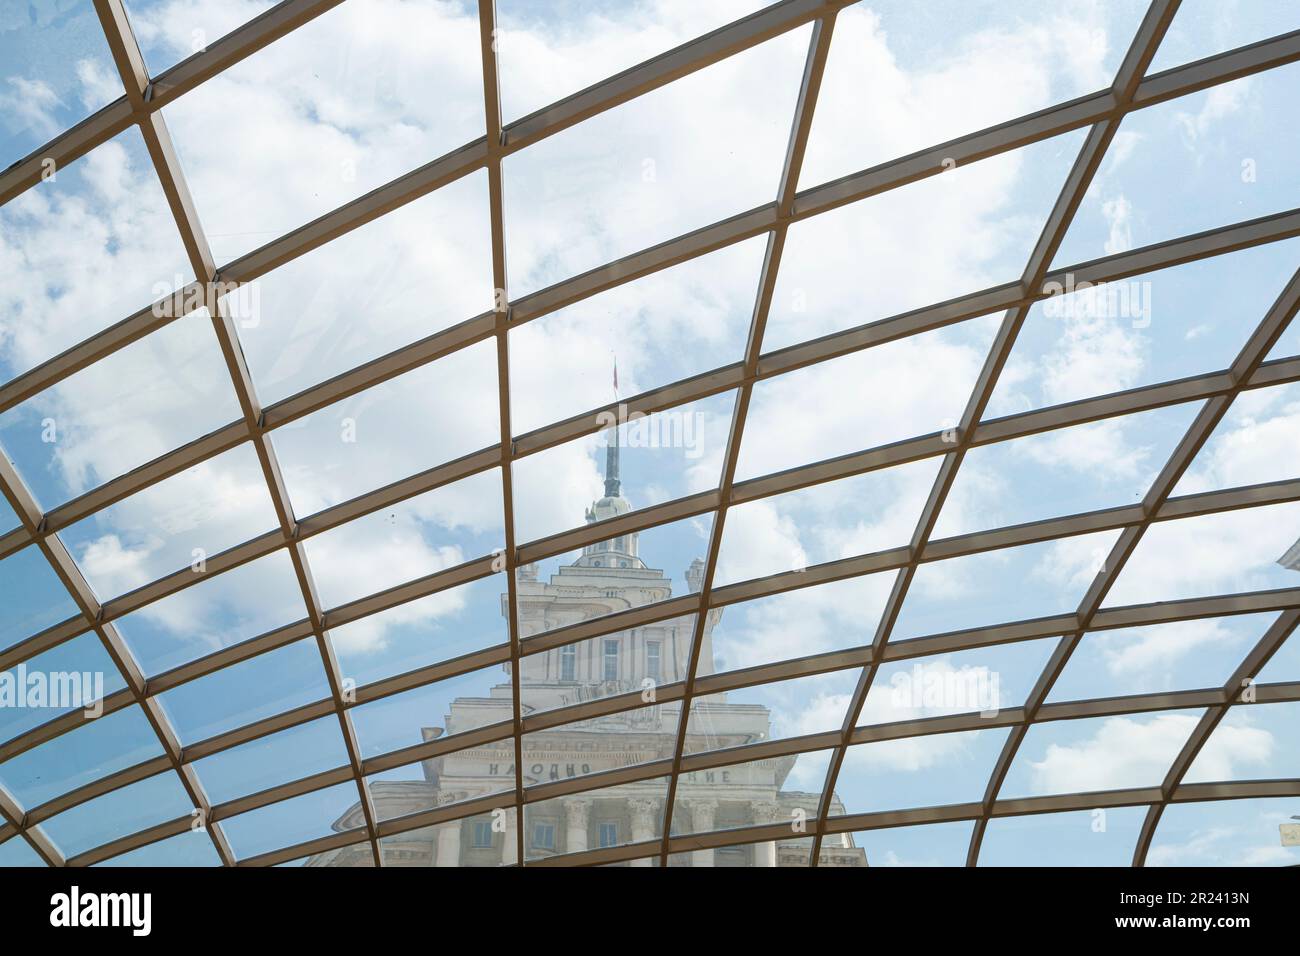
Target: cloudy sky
x,y
375,88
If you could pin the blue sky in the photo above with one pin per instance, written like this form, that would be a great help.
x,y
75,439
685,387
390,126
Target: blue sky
x,y
328,113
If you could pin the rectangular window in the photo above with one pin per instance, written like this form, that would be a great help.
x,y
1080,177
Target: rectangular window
x,y
611,660
482,833
652,660
609,834
568,662
544,836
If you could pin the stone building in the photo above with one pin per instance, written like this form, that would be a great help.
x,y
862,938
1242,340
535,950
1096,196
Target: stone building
x,y
609,576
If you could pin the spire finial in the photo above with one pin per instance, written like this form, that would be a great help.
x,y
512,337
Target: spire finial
x,y
611,450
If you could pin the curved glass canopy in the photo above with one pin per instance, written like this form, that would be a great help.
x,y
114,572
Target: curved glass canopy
x,y
441,433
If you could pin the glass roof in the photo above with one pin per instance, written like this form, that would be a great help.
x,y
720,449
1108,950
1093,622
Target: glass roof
x,y
656,434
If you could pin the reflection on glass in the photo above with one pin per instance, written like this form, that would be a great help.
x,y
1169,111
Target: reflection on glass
x,y
292,754
295,821
489,839
444,780
615,816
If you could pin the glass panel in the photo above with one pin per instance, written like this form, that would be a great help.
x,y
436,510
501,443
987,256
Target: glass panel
x,y
338,107
34,596
213,613
613,575
16,851
443,781
355,856
433,711
601,743
1203,28
120,813
178,522
936,844
296,820
1255,442
424,418
909,387
640,173
1182,655
935,71
1212,554
8,519
1224,833
645,460
169,31
292,754
1204,160
828,617
1098,753
74,675
1156,327
127,409
89,753
1101,837
1001,586
859,515
57,71
789,708
984,681
574,824
1105,464
186,849
415,271
1251,743
859,263
244,693
431,532
783,789
438,627
549,51
91,246
485,840
665,327
1283,666
927,771
789,852
624,662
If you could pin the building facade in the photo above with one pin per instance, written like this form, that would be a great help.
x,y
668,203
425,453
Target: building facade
x,y
608,576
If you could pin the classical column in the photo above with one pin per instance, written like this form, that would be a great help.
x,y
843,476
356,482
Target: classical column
x,y
510,848
702,812
642,810
576,814
765,811
448,847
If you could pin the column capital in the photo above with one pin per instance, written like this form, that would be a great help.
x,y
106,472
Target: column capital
x,y
765,811
577,811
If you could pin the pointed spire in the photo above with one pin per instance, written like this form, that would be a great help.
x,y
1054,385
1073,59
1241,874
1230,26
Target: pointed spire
x,y
611,450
